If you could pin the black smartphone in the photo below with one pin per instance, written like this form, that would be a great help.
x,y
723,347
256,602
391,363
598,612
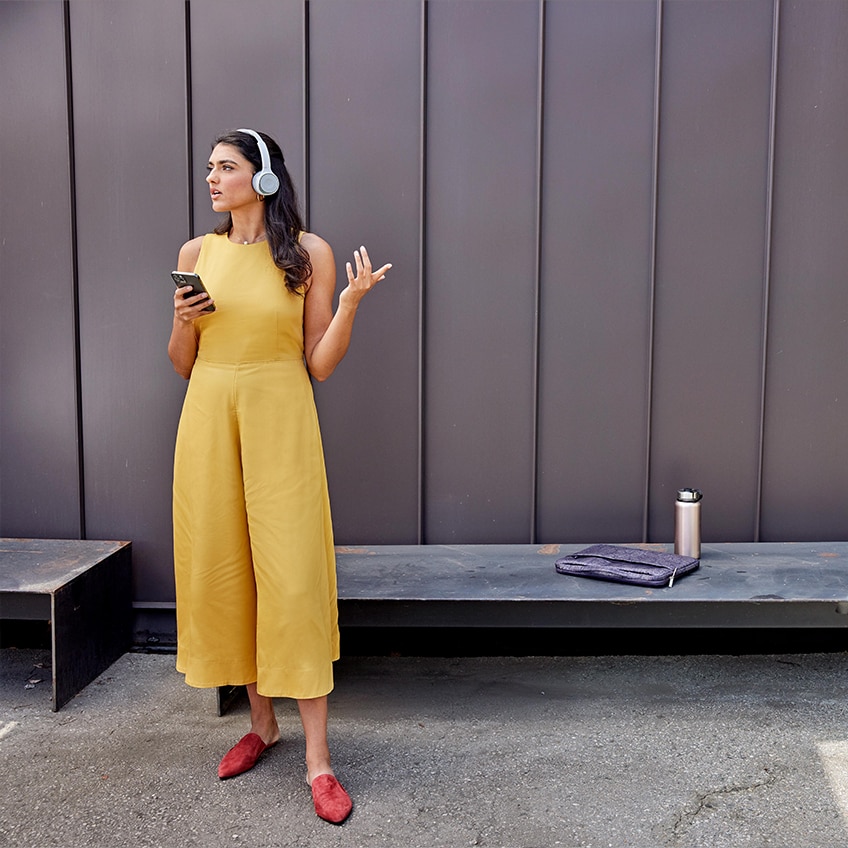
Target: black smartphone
x,y
186,278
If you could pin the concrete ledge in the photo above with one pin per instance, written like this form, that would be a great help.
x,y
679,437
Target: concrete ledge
x,y
763,584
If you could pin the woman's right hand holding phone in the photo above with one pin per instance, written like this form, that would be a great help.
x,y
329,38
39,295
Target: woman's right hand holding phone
x,y
188,309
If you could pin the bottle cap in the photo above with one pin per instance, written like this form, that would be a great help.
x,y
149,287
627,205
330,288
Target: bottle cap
x,y
689,495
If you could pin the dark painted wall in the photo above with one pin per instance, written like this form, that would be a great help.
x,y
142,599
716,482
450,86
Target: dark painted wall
x,y
617,236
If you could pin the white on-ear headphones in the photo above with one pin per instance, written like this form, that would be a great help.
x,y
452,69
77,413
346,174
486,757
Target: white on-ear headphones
x,y
265,181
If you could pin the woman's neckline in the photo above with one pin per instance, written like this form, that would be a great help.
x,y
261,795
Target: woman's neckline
x,y
261,240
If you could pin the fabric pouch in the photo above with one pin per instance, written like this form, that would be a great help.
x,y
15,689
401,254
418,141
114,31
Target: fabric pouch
x,y
627,565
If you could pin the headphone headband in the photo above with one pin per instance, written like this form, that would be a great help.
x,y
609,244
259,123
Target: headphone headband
x,y
264,181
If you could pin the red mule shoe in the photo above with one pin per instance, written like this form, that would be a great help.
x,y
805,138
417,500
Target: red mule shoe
x,y
242,756
332,803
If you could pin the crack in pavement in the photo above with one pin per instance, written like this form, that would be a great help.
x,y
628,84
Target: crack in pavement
x,y
702,801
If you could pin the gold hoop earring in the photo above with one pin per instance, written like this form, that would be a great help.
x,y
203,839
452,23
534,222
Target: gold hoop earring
x,y
260,198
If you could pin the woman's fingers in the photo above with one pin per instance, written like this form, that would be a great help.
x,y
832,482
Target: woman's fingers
x,y
362,261
364,273
383,271
188,309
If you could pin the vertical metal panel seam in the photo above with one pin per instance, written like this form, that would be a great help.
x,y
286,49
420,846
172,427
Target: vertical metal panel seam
x,y
540,125
305,199
72,181
649,387
767,250
422,260
189,121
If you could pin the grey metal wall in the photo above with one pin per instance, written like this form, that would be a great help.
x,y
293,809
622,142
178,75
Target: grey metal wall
x,y
617,236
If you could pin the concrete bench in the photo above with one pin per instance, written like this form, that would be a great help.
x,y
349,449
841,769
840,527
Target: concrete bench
x,y
738,585
83,589
761,584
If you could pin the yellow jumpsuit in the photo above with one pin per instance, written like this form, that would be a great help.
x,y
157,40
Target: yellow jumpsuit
x,y
253,541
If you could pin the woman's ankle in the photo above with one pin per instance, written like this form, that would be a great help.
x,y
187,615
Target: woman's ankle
x,y
318,762
263,719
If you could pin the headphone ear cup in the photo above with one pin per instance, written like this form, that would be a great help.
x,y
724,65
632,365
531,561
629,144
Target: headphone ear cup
x,y
266,182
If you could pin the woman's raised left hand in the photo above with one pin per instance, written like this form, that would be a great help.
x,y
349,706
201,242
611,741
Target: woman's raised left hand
x,y
359,284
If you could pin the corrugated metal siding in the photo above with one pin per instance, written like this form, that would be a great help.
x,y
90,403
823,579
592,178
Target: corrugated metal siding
x,y
616,227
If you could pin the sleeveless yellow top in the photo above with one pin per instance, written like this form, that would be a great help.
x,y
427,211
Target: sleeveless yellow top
x,y
257,318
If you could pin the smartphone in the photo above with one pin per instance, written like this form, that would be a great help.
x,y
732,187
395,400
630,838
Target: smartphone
x,y
186,278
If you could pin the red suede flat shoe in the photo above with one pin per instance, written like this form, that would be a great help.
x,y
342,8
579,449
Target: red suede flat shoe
x,y
332,803
242,756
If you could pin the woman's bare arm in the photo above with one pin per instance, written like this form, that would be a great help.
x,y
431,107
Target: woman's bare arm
x,y
182,346
327,336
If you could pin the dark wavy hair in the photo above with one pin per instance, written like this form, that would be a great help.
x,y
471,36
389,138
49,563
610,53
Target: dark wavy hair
x,y
283,222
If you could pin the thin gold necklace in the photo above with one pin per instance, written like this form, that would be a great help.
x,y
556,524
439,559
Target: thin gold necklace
x,y
260,237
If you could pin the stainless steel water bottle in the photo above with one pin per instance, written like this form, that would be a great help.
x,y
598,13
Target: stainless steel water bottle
x,y
687,523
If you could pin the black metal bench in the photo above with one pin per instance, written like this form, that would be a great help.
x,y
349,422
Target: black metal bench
x,y
83,589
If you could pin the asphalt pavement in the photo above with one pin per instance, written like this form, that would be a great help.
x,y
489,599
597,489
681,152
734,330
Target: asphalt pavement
x,y
529,752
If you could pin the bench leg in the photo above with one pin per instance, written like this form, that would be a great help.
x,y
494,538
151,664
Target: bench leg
x,y
91,625
229,695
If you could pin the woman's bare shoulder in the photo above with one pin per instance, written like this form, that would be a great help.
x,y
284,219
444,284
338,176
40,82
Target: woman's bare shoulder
x,y
189,254
315,246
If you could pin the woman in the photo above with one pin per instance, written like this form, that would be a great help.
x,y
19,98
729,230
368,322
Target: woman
x,y
253,544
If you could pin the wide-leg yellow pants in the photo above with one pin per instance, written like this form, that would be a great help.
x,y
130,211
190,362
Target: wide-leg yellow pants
x,y
253,542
